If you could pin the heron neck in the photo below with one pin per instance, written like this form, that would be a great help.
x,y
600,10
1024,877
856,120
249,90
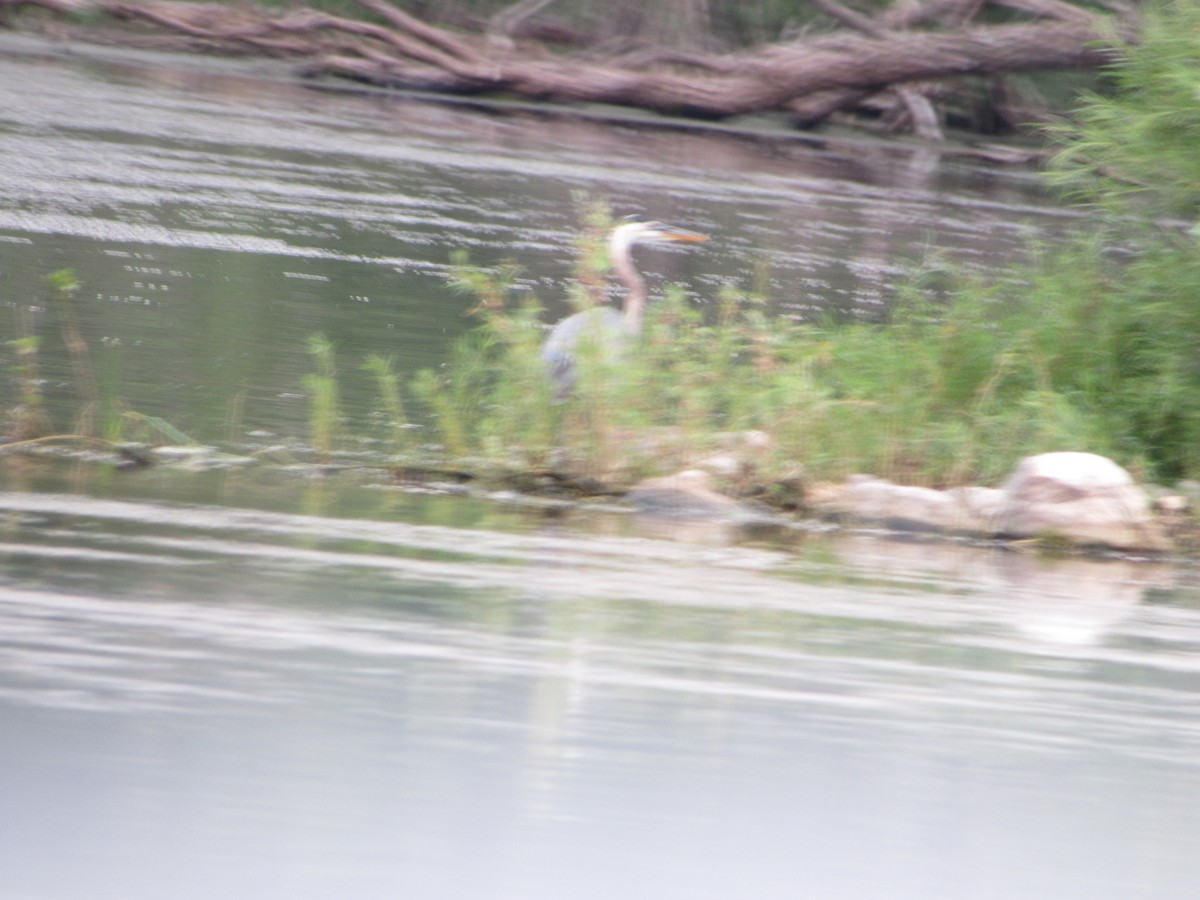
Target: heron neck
x,y
635,285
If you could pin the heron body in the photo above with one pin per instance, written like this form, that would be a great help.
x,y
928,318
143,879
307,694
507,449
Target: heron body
x,y
609,330
603,325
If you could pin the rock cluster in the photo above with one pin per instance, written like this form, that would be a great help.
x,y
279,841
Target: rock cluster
x,y
1080,498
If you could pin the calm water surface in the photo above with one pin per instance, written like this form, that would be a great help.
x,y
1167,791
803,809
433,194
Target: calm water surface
x,y
250,684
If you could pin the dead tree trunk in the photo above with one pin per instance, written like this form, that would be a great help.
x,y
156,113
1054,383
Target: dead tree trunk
x,y
813,77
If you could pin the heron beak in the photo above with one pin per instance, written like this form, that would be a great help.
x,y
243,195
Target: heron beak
x,y
678,234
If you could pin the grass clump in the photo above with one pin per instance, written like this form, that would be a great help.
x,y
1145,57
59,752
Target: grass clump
x,y
324,408
28,420
101,419
1133,148
391,402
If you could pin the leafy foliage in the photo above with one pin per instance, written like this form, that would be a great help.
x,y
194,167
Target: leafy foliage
x,y
1135,149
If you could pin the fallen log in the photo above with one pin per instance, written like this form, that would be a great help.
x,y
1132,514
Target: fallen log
x,y
814,76
774,79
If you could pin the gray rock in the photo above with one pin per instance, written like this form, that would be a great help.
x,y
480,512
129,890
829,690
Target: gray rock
x,y
685,494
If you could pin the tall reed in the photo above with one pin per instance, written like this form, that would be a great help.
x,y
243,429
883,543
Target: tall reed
x,y
28,419
64,288
391,402
324,405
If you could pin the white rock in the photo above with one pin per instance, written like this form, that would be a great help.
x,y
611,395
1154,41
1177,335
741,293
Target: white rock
x,y
1081,496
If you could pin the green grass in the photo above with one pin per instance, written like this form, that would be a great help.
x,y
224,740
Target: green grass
x,y
391,403
324,406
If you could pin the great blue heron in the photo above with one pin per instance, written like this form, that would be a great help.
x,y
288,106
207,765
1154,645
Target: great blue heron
x,y
604,325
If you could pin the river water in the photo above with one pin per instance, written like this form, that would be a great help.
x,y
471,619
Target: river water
x,y
249,683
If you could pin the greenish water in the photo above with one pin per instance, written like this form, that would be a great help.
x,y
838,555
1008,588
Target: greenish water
x,y
254,682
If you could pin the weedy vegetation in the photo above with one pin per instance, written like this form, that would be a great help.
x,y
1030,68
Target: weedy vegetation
x,y
1093,345
101,419
325,419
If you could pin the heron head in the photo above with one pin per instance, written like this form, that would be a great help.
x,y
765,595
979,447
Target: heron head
x,y
636,230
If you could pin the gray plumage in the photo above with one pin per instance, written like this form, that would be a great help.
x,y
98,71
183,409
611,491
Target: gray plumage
x,y
603,325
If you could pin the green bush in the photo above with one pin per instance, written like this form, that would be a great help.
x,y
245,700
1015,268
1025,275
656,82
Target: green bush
x,y
1135,150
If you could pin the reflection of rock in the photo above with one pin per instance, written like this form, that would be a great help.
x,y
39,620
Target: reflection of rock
x,y
1081,497
702,532
1071,601
1064,601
